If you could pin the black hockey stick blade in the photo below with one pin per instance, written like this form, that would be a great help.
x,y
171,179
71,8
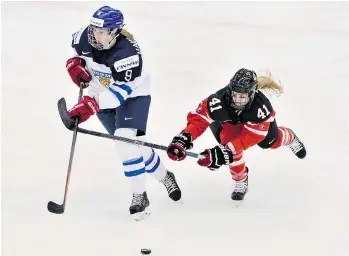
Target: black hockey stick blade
x,y
63,113
55,208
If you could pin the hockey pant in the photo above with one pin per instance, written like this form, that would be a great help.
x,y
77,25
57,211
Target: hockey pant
x,y
276,137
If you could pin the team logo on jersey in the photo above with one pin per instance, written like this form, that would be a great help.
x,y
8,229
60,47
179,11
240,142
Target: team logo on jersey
x,y
103,78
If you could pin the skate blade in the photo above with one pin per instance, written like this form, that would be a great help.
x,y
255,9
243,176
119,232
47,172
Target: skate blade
x,y
140,215
237,203
180,201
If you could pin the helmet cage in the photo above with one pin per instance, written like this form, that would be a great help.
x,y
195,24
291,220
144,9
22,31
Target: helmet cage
x,y
244,81
113,33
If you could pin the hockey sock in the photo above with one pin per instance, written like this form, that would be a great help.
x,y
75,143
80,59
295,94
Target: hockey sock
x,y
285,137
135,173
237,167
153,165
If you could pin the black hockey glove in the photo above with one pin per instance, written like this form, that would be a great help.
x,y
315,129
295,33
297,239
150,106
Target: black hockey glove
x,y
180,143
216,157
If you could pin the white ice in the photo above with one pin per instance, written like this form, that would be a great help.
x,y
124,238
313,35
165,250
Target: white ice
x,y
294,207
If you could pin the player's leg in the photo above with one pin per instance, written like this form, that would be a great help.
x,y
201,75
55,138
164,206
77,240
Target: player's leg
x,y
153,164
239,172
283,136
134,170
155,168
131,157
136,116
107,119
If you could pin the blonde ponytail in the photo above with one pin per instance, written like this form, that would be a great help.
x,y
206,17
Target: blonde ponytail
x,y
127,34
266,82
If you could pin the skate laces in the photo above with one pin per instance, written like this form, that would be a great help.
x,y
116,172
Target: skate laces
x,y
137,199
240,186
169,183
296,145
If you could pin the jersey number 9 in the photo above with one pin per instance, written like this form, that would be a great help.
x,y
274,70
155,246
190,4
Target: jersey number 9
x,y
128,75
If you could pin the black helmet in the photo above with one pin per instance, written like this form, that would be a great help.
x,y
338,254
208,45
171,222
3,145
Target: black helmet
x,y
244,81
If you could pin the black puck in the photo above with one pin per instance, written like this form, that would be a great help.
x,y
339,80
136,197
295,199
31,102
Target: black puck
x,y
145,251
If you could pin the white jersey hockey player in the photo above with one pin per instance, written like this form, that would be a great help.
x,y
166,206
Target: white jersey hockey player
x,y
109,62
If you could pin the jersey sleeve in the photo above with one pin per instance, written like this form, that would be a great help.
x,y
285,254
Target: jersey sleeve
x,y
126,68
198,120
75,43
251,134
125,72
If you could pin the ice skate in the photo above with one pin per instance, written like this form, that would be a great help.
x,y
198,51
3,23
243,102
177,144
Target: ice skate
x,y
297,147
139,206
239,192
171,186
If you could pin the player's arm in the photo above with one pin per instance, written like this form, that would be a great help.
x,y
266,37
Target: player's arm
x,y
76,65
125,72
81,77
198,120
251,134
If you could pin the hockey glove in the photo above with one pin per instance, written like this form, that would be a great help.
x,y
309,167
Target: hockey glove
x,y
84,109
180,143
76,69
216,157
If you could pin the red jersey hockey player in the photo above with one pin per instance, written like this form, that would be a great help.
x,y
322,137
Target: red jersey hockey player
x,y
240,116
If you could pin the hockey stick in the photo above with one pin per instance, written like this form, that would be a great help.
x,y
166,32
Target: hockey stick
x,y
68,121
52,206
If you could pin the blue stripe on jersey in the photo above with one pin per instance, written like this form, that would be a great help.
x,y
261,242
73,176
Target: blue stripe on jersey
x,y
155,167
135,173
118,95
125,87
135,161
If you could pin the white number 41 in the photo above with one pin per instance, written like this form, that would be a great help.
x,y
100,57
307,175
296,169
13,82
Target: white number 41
x,y
261,114
213,102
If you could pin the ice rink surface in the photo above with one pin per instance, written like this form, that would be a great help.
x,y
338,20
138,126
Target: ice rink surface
x,y
294,207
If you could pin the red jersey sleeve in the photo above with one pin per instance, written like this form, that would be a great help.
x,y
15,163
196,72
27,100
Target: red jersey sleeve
x,y
198,120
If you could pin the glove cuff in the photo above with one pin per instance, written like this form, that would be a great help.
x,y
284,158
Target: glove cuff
x,y
74,61
92,103
187,136
188,139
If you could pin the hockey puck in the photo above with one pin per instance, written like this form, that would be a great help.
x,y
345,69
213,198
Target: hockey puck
x,y
145,251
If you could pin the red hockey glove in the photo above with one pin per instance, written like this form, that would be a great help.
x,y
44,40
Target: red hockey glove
x,y
76,69
180,143
84,109
215,157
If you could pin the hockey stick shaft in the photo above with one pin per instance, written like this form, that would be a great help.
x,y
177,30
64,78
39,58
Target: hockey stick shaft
x,y
132,141
72,151
68,122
